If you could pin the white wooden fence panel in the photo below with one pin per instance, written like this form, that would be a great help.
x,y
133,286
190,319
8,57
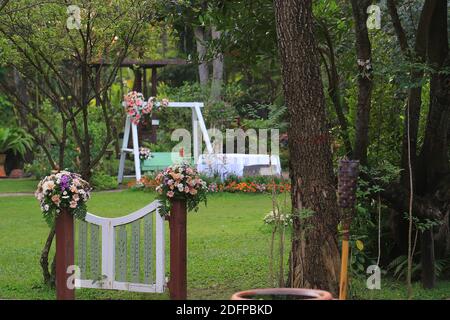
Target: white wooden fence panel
x,y
108,252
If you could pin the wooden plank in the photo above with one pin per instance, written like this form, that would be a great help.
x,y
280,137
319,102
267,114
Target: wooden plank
x,y
64,255
135,256
148,248
126,138
137,161
160,280
121,254
126,286
95,251
178,251
125,219
82,248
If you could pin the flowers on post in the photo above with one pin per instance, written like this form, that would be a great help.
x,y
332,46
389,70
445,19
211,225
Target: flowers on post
x,y
63,190
180,182
136,106
144,153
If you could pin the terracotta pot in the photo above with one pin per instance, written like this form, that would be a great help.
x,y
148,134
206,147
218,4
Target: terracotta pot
x,y
16,173
282,294
2,165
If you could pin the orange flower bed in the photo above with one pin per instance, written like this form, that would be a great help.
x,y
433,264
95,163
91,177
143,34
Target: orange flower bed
x,y
146,183
149,183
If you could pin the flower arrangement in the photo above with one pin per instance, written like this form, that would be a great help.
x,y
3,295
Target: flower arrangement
x,y
144,153
274,217
63,190
180,182
136,106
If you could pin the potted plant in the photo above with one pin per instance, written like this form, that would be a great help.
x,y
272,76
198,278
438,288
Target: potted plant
x,y
16,140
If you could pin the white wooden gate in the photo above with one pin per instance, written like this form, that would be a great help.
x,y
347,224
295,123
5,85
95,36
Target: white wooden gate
x,y
119,266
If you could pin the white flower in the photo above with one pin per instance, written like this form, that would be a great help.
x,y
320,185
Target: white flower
x,y
180,187
46,207
48,185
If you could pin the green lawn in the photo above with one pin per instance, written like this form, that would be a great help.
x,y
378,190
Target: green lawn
x,y
228,245
18,185
228,249
396,290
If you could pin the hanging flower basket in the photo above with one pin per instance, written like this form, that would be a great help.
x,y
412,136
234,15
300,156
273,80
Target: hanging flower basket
x,y
144,154
180,182
137,108
63,190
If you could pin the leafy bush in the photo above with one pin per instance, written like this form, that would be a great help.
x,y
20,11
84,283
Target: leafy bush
x,y
102,181
16,140
40,166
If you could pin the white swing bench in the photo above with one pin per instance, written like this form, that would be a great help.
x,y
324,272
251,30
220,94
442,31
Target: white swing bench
x,y
231,163
197,122
104,259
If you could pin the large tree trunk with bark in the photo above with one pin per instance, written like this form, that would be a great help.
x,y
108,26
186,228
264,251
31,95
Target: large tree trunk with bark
x,y
431,170
218,68
433,162
203,70
365,84
315,253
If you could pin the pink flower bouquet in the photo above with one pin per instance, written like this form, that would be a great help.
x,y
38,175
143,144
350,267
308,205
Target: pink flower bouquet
x,y
136,106
63,190
180,182
144,153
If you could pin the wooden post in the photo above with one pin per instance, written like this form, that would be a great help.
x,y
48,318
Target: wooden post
x,y
64,254
153,138
343,282
178,251
348,171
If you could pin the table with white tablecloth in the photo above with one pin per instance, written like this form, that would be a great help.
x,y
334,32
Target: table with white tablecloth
x,y
234,164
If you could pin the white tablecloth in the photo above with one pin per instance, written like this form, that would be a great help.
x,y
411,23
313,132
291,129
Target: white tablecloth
x,y
233,164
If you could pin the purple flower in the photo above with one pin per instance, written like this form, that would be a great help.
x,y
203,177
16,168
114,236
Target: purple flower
x,y
64,182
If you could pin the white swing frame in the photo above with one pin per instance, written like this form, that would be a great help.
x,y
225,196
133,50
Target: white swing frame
x,y
197,120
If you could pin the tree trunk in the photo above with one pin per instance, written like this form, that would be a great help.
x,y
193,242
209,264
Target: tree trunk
x,y
218,67
427,260
315,252
434,154
433,163
334,89
364,56
415,94
203,70
46,273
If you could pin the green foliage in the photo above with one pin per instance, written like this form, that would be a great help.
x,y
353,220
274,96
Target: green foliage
x,y
16,140
40,167
399,266
6,112
103,181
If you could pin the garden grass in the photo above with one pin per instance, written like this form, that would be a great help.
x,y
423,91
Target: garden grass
x,y
228,249
228,245
396,290
18,185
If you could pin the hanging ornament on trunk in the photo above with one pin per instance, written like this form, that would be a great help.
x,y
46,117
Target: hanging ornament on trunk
x,y
348,172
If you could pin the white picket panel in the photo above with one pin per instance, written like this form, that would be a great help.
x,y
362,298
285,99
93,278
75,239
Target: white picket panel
x,y
108,252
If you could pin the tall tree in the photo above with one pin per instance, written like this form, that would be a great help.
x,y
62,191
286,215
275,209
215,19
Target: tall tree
x,y
202,49
218,66
365,84
315,254
65,66
430,163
